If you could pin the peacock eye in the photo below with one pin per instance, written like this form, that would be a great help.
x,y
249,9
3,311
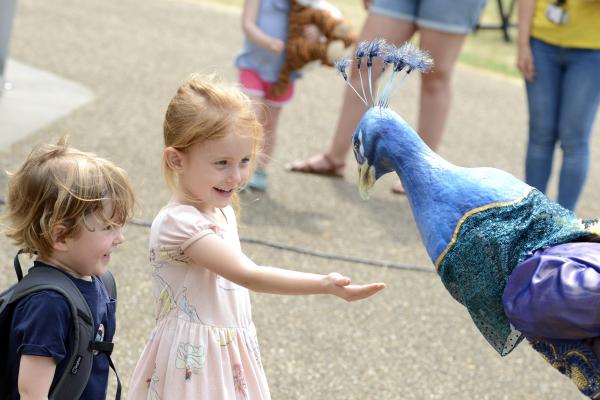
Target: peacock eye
x,y
356,146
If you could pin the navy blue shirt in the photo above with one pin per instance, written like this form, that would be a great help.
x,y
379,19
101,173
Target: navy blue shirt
x,y
42,326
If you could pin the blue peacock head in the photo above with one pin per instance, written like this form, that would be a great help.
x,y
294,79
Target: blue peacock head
x,y
373,157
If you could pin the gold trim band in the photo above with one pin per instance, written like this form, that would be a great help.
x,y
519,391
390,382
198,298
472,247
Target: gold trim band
x,y
467,215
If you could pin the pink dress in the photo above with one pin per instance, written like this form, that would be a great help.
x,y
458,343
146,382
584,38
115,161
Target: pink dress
x,y
204,344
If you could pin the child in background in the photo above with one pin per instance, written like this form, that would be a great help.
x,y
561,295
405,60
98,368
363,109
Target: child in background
x,y
265,25
67,207
204,345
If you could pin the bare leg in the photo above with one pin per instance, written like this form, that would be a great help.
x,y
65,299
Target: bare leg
x,y
376,26
436,87
268,116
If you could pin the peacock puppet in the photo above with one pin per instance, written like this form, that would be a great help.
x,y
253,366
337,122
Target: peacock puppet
x,y
522,265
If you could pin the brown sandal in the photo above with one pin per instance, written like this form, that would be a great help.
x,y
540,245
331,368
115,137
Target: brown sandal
x,y
332,169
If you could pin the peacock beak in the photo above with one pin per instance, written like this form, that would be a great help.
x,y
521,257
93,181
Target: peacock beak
x,y
366,179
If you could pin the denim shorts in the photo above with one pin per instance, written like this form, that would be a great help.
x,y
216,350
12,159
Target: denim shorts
x,y
451,16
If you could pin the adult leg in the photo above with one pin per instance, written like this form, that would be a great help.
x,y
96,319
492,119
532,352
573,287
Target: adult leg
x,y
436,86
333,161
543,98
581,95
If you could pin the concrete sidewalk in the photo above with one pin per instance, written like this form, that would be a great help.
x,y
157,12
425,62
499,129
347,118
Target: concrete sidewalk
x,y
410,342
35,99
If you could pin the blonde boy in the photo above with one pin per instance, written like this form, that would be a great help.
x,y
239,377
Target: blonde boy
x,y
66,207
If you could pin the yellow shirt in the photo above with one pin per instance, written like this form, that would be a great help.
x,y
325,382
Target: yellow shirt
x,y
581,31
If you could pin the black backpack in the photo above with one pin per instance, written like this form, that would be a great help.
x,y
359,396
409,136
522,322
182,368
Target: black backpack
x,y
79,366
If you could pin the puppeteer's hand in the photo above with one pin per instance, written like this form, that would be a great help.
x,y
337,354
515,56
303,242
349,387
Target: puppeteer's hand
x,y
276,46
341,287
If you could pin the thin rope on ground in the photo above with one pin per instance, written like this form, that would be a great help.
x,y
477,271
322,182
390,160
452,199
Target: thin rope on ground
x,y
320,254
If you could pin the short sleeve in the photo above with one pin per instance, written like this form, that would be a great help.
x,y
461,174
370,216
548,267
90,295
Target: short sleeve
x,y
184,225
41,325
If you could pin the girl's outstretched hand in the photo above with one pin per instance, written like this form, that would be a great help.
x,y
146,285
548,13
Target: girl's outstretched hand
x,y
341,287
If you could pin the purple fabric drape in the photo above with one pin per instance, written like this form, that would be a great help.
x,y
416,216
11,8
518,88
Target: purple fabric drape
x,y
555,293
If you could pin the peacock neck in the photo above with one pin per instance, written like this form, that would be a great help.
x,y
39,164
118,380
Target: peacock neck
x,y
411,158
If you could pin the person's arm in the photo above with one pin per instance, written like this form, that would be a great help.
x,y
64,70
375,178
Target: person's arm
x,y
35,377
41,325
214,253
524,56
254,33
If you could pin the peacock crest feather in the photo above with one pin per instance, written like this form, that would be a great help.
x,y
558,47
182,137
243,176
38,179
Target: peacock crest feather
x,y
402,60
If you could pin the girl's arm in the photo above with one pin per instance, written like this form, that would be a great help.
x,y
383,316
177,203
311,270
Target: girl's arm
x,y
524,56
35,377
254,33
214,253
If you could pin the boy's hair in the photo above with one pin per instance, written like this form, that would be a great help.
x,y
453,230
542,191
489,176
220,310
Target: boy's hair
x,y
59,185
203,110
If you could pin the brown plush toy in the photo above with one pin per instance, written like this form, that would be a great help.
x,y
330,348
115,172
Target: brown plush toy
x,y
336,36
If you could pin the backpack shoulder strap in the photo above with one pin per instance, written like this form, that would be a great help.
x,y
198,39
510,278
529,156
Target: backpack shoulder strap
x,y
73,381
109,283
107,347
17,266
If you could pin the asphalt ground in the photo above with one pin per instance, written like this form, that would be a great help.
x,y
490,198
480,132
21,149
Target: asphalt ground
x,y
412,341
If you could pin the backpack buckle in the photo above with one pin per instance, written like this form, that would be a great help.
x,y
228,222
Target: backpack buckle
x,y
101,347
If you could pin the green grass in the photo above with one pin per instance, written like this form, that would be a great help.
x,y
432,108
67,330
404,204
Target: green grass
x,y
484,49
487,49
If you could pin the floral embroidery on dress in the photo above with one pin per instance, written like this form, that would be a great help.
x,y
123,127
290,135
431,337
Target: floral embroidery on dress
x,y
155,261
152,382
174,254
223,336
252,343
239,382
168,302
191,358
184,305
166,299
